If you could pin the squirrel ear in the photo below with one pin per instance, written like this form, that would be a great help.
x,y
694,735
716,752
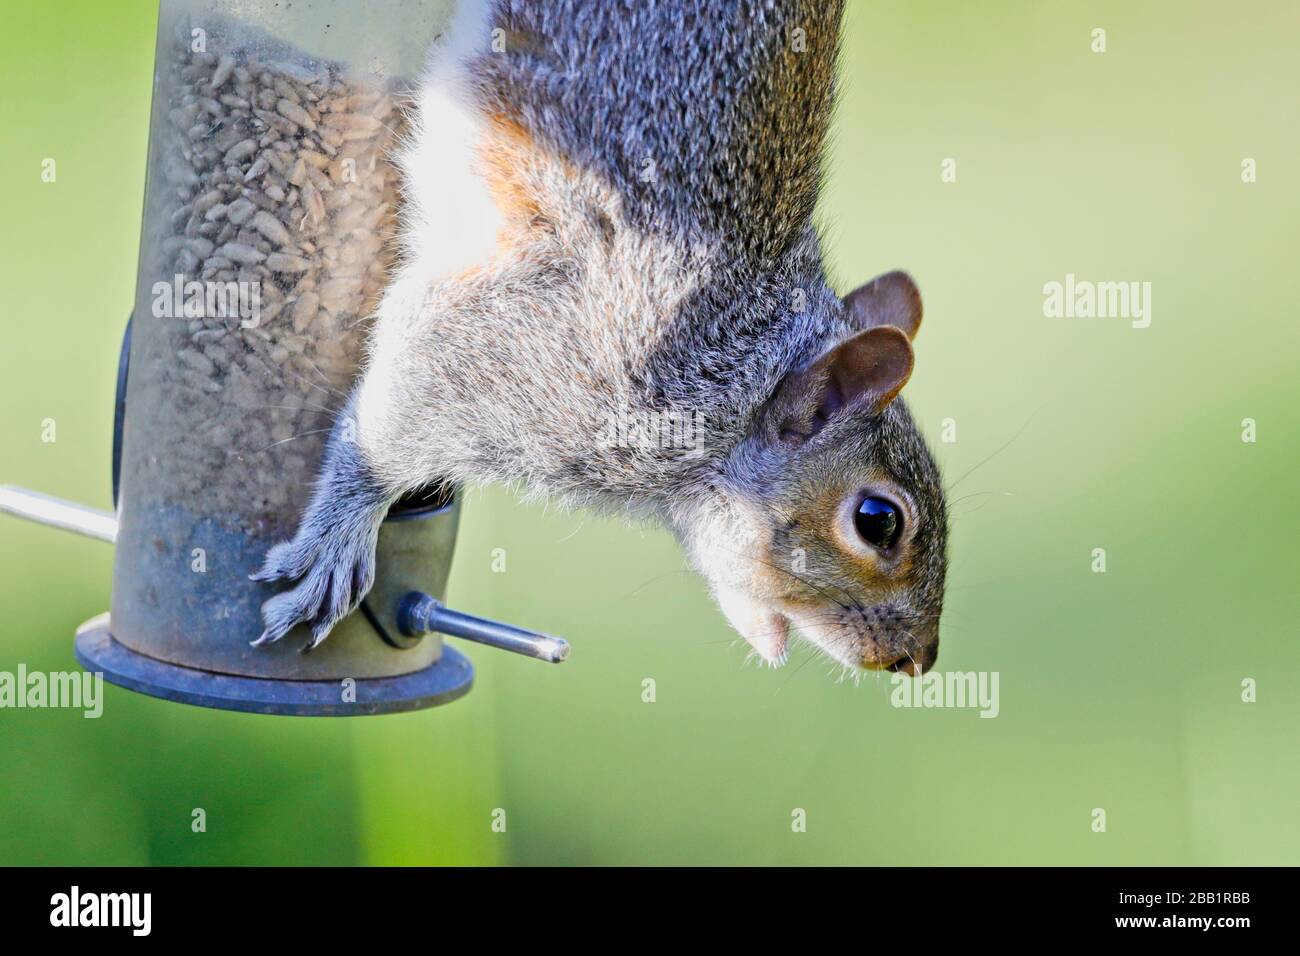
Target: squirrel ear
x,y
864,372
889,299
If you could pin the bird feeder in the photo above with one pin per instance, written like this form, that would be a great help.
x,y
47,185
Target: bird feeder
x,y
269,211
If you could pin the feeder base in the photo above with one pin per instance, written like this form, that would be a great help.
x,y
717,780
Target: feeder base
x,y
443,681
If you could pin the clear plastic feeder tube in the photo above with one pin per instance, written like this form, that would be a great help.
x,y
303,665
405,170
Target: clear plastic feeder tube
x,y
269,212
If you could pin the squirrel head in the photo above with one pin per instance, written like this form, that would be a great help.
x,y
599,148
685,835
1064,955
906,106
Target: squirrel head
x,y
833,523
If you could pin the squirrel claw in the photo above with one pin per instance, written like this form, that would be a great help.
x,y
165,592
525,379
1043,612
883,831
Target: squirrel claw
x,y
315,642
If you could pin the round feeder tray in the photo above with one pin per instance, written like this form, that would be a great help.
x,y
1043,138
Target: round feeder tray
x,y
443,681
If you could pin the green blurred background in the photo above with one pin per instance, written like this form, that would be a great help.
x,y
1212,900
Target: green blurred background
x,y
1119,690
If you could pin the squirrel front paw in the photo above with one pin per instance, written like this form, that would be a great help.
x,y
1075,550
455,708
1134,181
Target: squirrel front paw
x,y
334,565
331,557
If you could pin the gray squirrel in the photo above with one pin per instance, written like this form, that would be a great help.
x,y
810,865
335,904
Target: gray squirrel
x,y
609,228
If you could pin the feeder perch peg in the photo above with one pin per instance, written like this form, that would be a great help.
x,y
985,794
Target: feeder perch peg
x,y
57,513
419,613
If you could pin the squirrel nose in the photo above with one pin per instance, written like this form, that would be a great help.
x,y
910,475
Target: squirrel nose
x,y
918,659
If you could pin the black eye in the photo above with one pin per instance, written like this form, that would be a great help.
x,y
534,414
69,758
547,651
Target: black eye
x,y
878,522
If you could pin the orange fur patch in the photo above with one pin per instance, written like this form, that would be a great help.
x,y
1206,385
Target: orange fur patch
x,y
507,152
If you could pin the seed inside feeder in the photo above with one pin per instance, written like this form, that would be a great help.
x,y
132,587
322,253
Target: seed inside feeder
x,y
250,206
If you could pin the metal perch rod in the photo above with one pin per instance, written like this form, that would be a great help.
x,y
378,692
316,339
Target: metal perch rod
x,y
57,513
420,613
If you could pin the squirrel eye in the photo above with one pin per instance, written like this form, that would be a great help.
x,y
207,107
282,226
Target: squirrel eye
x,y
878,522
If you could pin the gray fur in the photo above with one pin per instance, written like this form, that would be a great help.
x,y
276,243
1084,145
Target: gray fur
x,y
692,294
